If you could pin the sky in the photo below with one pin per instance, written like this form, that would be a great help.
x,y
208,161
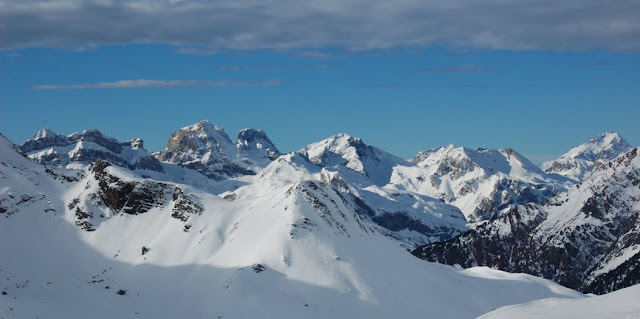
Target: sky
x,y
534,75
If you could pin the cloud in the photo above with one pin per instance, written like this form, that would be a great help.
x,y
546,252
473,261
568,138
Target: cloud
x,y
463,86
381,85
311,27
251,68
315,55
598,64
454,69
144,84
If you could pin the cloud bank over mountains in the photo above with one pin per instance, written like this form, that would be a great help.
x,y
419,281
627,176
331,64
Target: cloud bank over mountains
x,y
357,25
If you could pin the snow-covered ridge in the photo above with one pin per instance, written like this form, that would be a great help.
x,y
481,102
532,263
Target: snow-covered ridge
x,y
483,183
60,151
580,160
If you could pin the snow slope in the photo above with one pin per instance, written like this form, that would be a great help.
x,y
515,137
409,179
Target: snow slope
x,y
619,304
299,250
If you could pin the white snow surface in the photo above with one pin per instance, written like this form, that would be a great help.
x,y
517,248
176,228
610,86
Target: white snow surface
x,y
317,258
621,304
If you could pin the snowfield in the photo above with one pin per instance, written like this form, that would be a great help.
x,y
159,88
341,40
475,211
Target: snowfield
x,y
618,304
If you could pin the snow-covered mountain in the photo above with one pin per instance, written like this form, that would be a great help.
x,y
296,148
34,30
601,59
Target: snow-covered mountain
x,y
587,238
116,244
81,148
483,183
208,149
350,154
580,160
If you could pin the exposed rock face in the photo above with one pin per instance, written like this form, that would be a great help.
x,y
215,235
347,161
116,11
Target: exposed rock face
x,y
208,149
256,142
127,197
107,195
482,183
86,147
587,238
184,206
580,160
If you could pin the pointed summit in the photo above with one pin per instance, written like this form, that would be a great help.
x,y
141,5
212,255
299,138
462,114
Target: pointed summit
x,y
580,160
251,140
346,152
44,133
208,149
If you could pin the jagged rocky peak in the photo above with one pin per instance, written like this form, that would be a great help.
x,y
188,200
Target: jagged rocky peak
x,y
85,147
580,160
208,149
256,140
202,142
194,141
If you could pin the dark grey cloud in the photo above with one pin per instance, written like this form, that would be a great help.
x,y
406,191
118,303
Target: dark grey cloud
x,y
467,68
145,84
311,27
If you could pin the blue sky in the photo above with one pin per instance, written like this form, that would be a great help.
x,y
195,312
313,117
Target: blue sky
x,y
539,92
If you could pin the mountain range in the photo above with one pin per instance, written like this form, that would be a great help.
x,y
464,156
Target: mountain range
x,y
222,228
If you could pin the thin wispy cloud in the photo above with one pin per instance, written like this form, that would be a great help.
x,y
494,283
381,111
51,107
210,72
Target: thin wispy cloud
x,y
145,84
251,68
463,86
315,29
468,68
269,68
315,55
597,64
381,85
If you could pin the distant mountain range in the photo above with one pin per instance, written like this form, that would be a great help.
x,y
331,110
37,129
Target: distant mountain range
x,y
337,214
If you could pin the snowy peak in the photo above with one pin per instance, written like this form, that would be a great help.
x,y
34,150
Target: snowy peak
x,y
208,149
351,153
83,148
251,140
463,160
605,146
45,133
580,160
483,183
196,142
